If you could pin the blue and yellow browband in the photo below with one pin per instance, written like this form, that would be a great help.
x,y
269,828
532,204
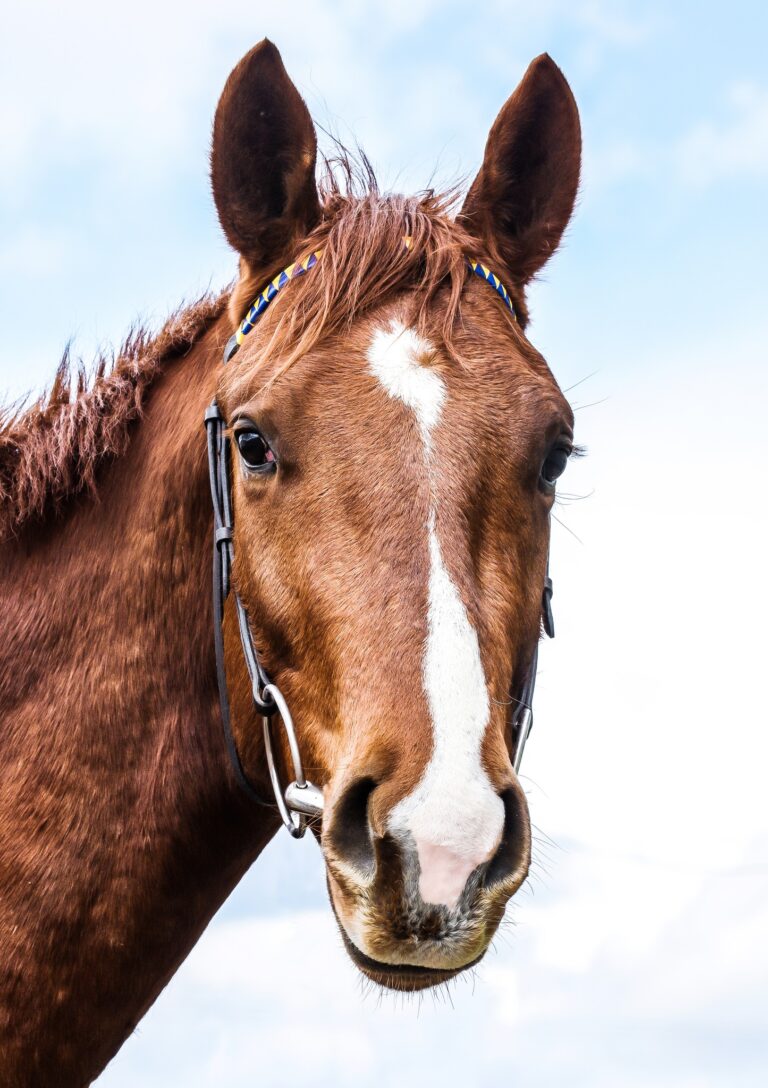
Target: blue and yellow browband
x,y
263,300
485,273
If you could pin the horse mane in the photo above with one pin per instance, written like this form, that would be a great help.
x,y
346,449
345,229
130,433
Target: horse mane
x,y
52,448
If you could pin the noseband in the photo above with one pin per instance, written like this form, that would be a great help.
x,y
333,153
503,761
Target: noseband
x,y
301,798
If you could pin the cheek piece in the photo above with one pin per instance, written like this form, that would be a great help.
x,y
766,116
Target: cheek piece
x,y
301,799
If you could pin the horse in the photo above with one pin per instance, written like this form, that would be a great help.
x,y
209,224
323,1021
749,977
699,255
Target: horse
x,y
384,444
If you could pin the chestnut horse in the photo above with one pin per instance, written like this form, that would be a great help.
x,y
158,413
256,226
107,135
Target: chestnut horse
x,y
395,441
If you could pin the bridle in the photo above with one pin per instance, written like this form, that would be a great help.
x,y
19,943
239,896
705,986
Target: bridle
x,y
301,799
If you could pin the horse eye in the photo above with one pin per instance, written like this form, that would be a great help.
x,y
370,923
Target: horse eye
x,y
254,449
553,467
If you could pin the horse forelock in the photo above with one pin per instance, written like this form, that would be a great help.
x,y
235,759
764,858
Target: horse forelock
x,y
365,264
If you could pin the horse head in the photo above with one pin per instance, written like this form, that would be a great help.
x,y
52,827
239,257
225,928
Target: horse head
x,y
396,441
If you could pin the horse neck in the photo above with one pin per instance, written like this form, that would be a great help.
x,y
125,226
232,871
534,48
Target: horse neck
x,y
121,831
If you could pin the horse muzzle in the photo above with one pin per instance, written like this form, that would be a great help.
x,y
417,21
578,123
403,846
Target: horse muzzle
x,y
391,929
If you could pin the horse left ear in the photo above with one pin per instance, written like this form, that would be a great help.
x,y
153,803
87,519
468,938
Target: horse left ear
x,y
263,160
522,199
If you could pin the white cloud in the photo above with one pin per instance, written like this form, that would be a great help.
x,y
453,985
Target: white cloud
x,y
612,164
33,252
651,689
712,151
611,25
706,153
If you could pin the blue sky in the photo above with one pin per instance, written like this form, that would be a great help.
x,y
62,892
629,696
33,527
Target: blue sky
x,y
639,954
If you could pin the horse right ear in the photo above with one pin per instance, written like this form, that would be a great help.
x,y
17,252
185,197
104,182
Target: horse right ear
x,y
520,202
263,160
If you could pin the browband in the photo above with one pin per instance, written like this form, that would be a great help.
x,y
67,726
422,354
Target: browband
x,y
298,268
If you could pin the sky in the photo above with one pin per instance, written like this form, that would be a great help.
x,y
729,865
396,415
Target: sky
x,y
637,954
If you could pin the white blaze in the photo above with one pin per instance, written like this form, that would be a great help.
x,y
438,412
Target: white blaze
x,y
453,814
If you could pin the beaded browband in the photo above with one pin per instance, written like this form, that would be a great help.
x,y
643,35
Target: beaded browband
x,y
298,268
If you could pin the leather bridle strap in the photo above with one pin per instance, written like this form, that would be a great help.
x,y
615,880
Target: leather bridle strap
x,y
218,472
522,716
300,798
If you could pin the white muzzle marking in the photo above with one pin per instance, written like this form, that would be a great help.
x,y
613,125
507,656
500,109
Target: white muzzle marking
x,y
454,815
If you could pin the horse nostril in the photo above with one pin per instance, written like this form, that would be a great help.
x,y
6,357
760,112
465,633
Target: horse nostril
x,y
513,854
349,835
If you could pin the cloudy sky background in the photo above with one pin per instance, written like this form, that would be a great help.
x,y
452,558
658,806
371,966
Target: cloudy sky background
x,y
638,953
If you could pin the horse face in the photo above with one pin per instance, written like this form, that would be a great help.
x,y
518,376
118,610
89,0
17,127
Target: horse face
x,y
392,489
